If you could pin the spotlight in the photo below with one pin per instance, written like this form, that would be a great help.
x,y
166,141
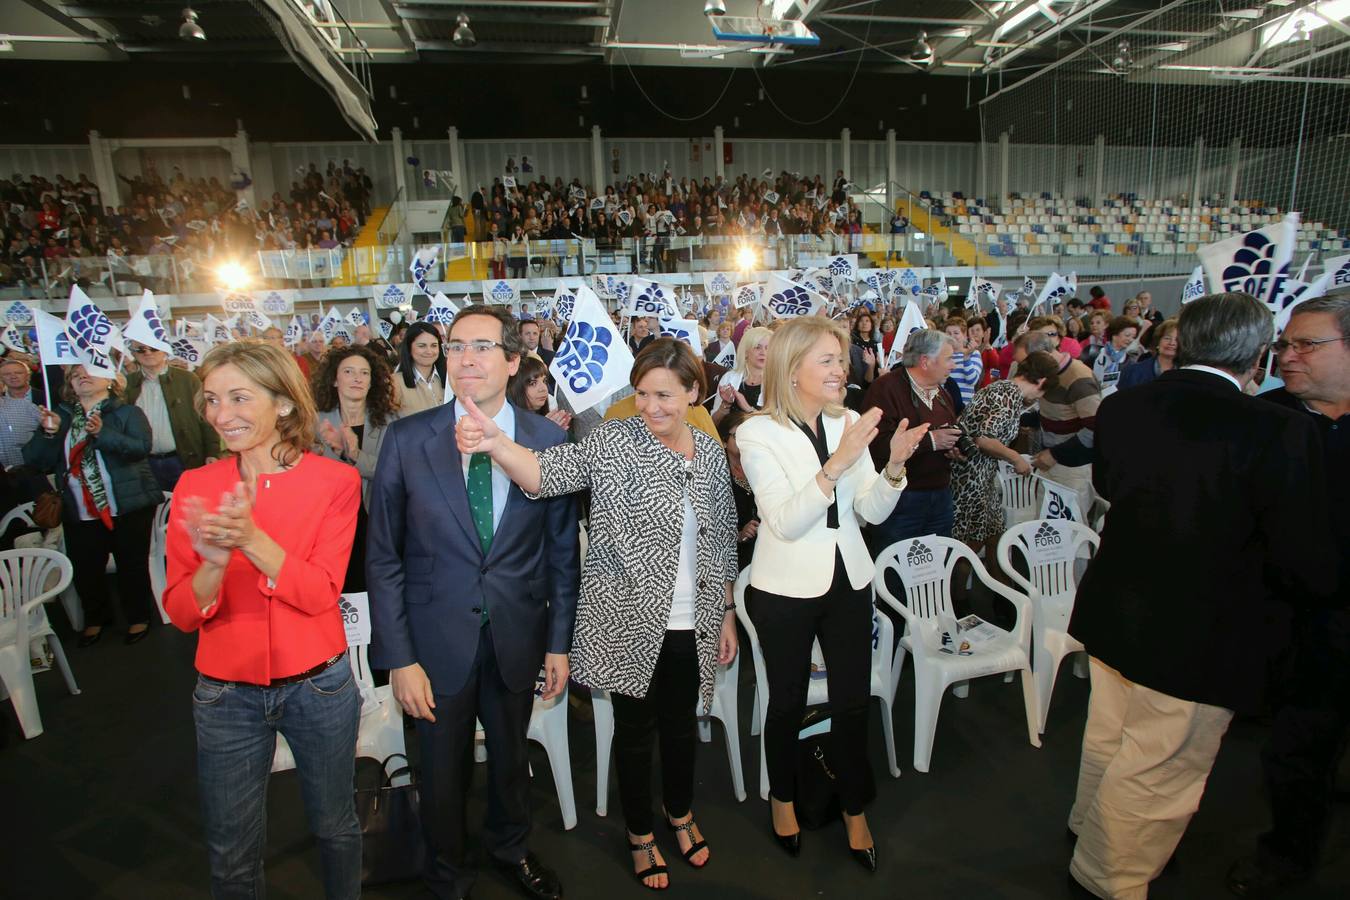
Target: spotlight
x,y
233,277
190,30
922,50
746,258
463,36
715,8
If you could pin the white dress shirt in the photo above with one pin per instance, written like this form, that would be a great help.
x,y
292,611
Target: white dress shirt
x,y
1213,371
501,485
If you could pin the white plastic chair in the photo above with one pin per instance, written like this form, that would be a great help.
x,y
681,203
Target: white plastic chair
x,y
25,576
817,692
548,727
380,733
723,708
70,598
22,513
1052,551
935,671
159,537
1021,497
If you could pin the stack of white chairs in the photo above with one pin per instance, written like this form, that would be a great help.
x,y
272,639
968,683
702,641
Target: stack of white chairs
x,y
924,566
26,582
1053,552
1021,497
380,733
882,686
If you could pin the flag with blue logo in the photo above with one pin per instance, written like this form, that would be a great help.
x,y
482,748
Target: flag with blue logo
x,y
94,335
54,345
1060,502
1255,263
1297,292
500,292
422,263
684,330
1057,288
146,327
982,286
442,310
593,360
1339,267
189,350
355,317
1195,286
564,301
786,300
719,284
295,333
843,267
908,282
255,320
647,298
273,303
10,338
866,299
1028,286
19,313
330,323
726,356
392,296
748,295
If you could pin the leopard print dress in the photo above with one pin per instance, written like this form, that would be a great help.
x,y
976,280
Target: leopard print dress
x,y
993,412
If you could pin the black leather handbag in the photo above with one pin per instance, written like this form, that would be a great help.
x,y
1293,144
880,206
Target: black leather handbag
x,y
392,846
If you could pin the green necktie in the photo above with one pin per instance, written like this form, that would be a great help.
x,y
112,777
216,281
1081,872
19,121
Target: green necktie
x,y
480,505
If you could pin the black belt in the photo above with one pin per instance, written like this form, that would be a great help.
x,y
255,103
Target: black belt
x,y
171,453
308,673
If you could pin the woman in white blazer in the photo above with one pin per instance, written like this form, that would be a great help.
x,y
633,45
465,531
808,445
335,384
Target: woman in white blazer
x,y
806,460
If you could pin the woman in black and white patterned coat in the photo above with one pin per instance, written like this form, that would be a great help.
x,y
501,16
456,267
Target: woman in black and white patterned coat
x,y
655,613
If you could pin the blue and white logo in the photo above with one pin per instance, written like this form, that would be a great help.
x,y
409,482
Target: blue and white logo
x,y
91,330
392,297
19,313
1253,269
650,302
840,267
186,350
719,284
152,321
275,303
909,282
1055,507
502,292
794,301
583,356
563,304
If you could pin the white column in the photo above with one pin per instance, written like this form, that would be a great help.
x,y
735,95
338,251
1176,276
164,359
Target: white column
x,y
892,172
240,162
104,174
1234,168
1003,153
598,178
457,162
846,165
400,176
1099,180
1199,170
719,153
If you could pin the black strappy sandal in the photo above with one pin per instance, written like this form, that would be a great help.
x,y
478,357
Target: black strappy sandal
x,y
651,870
694,845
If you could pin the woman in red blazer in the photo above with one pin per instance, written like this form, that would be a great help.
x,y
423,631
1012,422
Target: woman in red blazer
x,y
257,549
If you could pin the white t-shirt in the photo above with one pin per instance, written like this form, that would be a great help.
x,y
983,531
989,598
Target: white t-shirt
x,y
682,604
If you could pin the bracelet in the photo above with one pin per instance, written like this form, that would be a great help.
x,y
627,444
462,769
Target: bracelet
x,y
730,607
828,477
893,481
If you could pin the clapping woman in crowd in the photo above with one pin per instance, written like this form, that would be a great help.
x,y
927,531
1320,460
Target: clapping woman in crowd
x,y
742,387
354,395
655,615
98,448
421,370
807,461
257,548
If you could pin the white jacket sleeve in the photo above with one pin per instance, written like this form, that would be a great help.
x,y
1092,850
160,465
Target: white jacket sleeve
x,y
873,497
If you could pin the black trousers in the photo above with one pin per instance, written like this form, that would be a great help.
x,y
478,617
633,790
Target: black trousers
x,y
1308,738
842,619
447,773
88,544
667,711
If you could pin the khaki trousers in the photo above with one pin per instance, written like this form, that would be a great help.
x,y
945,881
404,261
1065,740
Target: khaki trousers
x,y
1146,757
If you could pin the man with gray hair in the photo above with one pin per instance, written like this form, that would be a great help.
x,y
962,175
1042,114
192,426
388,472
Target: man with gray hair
x,y
913,390
1312,718
1227,494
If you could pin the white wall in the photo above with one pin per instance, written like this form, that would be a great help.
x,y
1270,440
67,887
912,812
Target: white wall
x,y
48,162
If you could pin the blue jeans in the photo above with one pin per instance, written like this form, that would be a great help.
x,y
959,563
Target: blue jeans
x,y
916,513
237,726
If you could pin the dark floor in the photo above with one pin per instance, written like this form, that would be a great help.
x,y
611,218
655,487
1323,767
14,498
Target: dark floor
x,y
104,804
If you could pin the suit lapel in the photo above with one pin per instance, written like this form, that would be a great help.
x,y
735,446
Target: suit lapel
x,y
447,468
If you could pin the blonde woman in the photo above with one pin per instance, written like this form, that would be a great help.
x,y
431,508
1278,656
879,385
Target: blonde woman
x,y
807,463
742,387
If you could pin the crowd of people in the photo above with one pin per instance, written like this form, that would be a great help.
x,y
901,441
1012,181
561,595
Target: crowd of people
x,y
441,474
57,233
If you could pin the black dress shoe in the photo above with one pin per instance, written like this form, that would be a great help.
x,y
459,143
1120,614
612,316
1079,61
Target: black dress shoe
x,y
535,879
89,640
791,843
1263,875
135,637
865,858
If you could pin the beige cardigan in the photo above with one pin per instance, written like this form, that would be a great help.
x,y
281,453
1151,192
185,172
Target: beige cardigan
x,y
426,395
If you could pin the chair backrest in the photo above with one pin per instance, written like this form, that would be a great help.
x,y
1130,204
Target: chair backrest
x,y
924,566
1051,550
1021,498
23,513
24,579
161,524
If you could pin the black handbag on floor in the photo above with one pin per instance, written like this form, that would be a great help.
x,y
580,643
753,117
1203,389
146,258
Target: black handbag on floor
x,y
817,802
392,845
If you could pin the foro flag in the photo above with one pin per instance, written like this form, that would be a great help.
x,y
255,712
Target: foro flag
x,y
93,335
593,361
146,327
442,310
647,298
295,333
910,321
54,345
421,265
785,300
1255,263
684,330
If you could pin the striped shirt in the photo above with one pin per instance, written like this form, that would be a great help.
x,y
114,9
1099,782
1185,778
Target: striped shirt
x,y
18,420
1069,415
966,371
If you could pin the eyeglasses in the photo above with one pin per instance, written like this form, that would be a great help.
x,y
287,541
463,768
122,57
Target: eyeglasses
x,y
1302,346
139,350
479,348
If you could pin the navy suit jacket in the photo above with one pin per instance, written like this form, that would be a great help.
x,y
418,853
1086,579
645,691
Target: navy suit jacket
x,y
426,573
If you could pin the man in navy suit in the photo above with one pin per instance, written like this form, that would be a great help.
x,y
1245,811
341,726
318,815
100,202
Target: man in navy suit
x,y
472,588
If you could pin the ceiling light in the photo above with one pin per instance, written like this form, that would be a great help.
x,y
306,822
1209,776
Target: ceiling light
x,y
463,36
6,47
190,30
922,50
715,8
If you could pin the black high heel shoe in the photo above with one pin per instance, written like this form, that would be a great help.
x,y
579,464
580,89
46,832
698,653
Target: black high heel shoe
x,y
89,640
867,857
791,843
135,637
